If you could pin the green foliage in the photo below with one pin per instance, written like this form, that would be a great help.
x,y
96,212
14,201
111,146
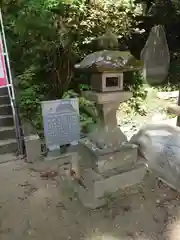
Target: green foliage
x,y
47,37
168,87
174,70
136,103
88,114
29,100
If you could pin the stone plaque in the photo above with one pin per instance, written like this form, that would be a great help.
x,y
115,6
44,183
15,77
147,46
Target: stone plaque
x,y
61,122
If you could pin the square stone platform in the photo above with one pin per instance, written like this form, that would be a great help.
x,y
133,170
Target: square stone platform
x,y
106,159
93,196
105,171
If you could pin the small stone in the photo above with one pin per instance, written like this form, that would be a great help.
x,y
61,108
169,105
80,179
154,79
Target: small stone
x,y
157,201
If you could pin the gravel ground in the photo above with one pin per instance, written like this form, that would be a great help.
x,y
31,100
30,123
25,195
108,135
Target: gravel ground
x,y
156,112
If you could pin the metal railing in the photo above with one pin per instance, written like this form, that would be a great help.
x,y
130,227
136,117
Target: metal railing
x,y
11,91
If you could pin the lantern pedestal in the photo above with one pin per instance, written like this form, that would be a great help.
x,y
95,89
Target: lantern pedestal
x,y
107,134
111,160
108,162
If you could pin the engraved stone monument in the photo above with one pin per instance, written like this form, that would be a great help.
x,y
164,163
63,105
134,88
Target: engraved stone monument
x,y
61,122
155,56
110,162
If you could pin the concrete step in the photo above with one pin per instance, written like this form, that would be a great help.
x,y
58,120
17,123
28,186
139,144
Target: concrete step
x,y
5,109
7,133
8,157
8,146
3,91
4,99
6,120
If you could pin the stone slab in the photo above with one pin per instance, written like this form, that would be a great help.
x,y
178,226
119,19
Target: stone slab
x,y
101,98
87,196
97,187
120,159
61,122
106,138
119,181
125,155
106,150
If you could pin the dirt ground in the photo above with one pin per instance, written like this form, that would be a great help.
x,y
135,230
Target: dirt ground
x,y
36,208
45,209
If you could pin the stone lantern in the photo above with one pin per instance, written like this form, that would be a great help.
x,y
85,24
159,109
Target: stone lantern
x,y
110,162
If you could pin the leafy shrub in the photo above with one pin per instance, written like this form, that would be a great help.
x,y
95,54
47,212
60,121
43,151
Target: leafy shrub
x,y
136,103
46,38
88,114
29,100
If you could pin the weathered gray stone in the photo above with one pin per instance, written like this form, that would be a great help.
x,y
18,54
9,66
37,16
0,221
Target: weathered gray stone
x,y
159,144
108,97
105,82
107,60
107,134
33,148
107,114
87,196
106,152
107,139
102,160
155,56
93,195
119,181
127,156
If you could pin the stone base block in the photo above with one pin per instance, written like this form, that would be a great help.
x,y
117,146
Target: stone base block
x,y
101,161
97,186
119,181
33,148
86,195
